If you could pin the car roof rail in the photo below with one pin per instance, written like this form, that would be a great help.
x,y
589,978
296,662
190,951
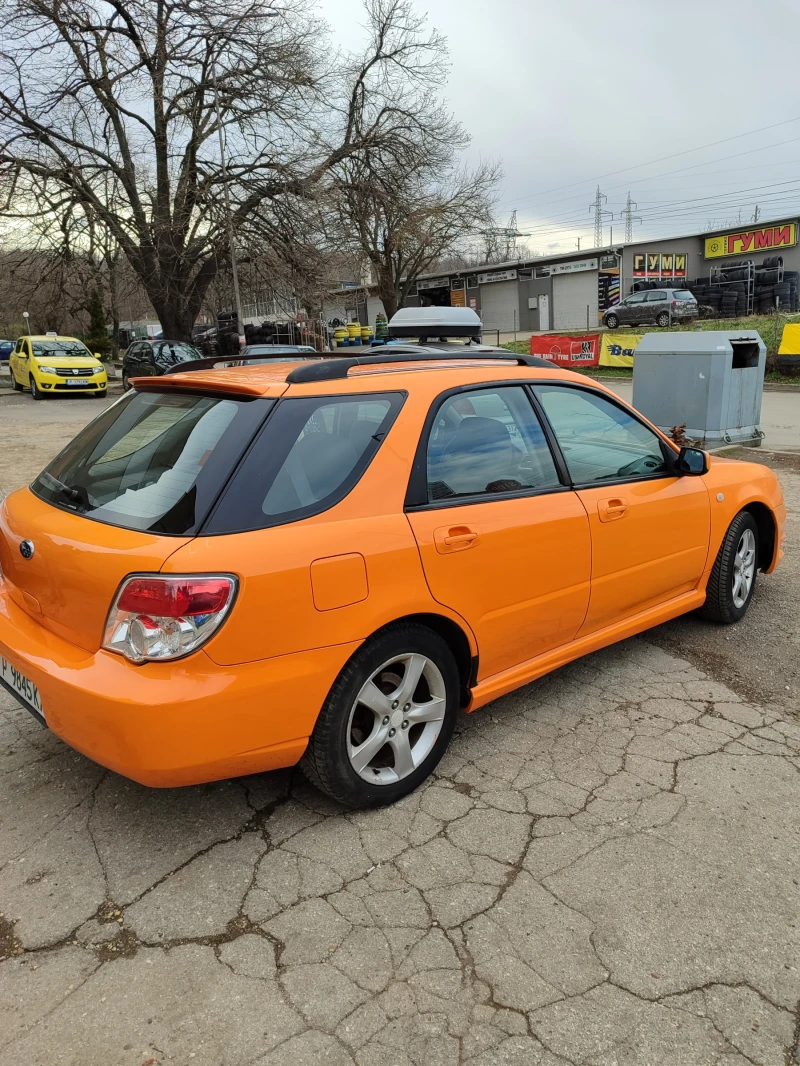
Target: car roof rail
x,y
225,362
335,369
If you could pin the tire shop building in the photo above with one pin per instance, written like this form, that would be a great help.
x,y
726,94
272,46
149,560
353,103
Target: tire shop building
x,y
740,270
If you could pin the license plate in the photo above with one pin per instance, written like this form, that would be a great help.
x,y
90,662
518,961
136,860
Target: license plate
x,y
77,381
21,687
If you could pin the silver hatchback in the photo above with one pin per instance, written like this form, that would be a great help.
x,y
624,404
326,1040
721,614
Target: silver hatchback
x,y
659,306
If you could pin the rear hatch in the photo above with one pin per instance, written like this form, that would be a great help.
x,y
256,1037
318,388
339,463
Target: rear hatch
x,y
131,489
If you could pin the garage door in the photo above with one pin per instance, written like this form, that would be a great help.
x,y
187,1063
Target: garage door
x,y
500,305
572,294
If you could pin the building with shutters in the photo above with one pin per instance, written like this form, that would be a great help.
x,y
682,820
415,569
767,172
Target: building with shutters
x,y
571,291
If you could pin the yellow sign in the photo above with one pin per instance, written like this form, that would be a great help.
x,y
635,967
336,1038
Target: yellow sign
x,y
790,340
751,240
458,298
617,350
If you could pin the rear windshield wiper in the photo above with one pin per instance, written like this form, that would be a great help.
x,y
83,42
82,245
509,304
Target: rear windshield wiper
x,y
73,495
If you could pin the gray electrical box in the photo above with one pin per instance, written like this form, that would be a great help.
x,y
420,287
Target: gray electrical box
x,y
712,381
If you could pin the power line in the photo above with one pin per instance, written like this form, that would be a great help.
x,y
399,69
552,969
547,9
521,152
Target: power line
x,y
661,159
679,170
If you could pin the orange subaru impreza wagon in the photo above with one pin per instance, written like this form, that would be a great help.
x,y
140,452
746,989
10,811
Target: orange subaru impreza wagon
x,y
234,570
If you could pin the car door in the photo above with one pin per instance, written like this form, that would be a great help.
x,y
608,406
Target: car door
x,y
632,308
24,359
503,541
649,527
130,363
656,303
146,360
15,363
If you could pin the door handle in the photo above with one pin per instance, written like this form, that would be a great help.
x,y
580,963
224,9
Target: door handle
x,y
454,538
611,510
461,540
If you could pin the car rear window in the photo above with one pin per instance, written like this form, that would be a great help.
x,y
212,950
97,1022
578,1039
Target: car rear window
x,y
682,294
308,457
155,461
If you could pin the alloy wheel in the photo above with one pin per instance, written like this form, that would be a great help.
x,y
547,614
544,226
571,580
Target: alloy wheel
x,y
744,568
396,718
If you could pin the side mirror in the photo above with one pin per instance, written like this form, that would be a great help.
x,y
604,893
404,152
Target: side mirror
x,y
97,355
692,461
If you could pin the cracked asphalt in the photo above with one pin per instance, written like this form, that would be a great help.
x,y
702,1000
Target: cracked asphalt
x,y
604,871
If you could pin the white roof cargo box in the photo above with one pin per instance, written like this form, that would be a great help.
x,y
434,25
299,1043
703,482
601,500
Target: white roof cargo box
x,y
437,322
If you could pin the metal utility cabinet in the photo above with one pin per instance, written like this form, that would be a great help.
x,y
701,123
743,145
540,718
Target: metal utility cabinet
x,y
712,382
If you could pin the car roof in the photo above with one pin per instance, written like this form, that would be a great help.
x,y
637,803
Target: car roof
x,y
270,379
158,340
51,337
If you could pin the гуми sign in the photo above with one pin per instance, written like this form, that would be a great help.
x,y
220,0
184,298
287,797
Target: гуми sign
x,y
751,240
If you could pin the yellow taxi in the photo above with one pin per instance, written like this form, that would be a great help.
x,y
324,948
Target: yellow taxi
x,y
51,364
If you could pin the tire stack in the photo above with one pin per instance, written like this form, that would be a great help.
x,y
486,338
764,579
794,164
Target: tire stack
x,y
729,301
792,277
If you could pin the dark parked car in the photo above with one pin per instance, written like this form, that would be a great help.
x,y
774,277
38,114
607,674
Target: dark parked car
x,y
278,353
660,306
154,357
6,348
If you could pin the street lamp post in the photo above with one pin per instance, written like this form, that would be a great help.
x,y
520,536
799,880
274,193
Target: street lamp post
x,y
227,194
231,237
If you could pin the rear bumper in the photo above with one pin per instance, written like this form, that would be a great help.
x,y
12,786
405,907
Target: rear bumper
x,y
167,724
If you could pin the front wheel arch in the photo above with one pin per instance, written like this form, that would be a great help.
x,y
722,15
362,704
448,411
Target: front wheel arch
x,y
765,522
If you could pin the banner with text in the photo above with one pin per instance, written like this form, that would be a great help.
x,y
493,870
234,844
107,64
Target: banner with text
x,y
751,240
566,350
618,350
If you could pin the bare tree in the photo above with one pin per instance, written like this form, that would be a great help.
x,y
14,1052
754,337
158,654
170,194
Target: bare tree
x,y
113,104
405,219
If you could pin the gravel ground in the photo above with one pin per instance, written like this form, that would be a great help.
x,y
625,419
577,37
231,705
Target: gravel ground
x,y
604,870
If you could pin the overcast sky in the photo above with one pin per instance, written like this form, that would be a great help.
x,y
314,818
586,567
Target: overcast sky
x,y
569,93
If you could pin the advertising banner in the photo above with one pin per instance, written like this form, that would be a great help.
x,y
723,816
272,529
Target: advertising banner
x,y
659,265
749,241
618,350
790,339
566,350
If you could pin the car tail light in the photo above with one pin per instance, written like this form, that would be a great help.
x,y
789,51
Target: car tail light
x,y
155,617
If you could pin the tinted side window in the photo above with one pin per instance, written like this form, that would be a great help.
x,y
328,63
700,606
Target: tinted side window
x,y
638,298
310,454
656,297
600,441
488,442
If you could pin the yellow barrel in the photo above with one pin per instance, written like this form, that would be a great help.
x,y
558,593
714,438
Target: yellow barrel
x,y
366,334
340,336
354,332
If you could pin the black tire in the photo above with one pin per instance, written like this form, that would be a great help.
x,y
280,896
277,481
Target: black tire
x,y
663,319
126,385
16,384
36,392
719,606
612,321
326,763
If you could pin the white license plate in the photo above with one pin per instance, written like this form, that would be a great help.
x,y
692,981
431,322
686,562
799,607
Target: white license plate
x,y
22,687
77,381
